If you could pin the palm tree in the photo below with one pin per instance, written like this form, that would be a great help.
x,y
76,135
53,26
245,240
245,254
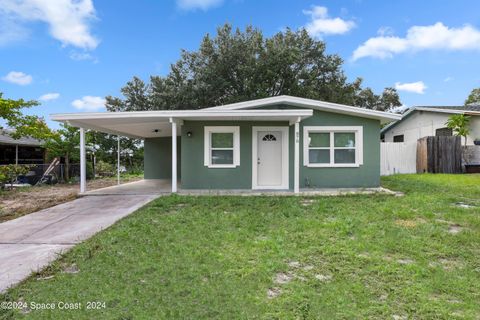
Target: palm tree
x,y
459,123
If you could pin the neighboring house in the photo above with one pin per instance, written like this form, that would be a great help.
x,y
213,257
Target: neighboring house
x,y
20,151
420,122
282,143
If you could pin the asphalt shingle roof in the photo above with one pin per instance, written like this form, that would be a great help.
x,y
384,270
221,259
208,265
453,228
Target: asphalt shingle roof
x,y
471,107
5,138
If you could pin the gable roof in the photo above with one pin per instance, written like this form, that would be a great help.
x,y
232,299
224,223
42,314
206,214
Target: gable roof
x,y
6,138
384,117
472,110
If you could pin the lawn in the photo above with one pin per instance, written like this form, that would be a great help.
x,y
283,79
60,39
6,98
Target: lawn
x,y
357,256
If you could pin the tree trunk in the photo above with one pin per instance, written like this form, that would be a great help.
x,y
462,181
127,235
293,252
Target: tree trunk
x,y
94,160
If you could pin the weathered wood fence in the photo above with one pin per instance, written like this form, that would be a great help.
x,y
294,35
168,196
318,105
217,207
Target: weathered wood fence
x,y
440,154
398,157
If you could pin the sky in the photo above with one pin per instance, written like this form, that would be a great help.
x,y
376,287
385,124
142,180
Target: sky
x,y
70,54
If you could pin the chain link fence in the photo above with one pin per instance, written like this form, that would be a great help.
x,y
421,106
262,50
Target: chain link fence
x,y
57,174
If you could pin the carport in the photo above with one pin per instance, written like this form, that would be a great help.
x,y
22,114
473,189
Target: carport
x,y
136,125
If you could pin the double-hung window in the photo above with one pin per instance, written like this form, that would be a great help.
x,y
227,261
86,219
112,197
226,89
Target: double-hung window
x,y
222,147
333,146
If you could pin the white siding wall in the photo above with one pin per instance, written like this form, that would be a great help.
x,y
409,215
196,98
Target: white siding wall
x,y
398,158
421,124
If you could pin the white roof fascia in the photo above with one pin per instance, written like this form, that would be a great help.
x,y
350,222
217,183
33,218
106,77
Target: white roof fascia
x,y
180,114
117,122
313,104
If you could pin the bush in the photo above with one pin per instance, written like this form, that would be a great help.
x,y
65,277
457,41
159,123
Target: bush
x,y
104,169
10,172
135,169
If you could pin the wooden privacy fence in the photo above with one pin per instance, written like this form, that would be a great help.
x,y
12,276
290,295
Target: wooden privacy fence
x,y
396,157
440,154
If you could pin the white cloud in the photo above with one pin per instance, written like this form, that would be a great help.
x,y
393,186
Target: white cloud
x,y
322,24
10,31
437,36
49,96
89,103
415,87
385,31
18,77
448,79
68,20
198,4
82,56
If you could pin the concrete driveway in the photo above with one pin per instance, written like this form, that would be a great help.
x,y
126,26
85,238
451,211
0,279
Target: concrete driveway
x,y
31,242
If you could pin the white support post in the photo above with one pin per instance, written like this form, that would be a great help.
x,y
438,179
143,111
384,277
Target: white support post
x,y
118,160
83,162
174,155
296,168
16,154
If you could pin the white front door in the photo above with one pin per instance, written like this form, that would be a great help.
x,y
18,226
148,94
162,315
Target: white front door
x,y
270,156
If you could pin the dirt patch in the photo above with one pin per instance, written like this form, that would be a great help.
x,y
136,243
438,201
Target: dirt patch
x,y
273,292
465,205
447,264
405,261
323,277
71,269
454,228
283,278
22,201
364,255
409,223
307,202
443,221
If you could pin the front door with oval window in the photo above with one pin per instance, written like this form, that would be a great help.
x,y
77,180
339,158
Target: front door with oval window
x,y
269,158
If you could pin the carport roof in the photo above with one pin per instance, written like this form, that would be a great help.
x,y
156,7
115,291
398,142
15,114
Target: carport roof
x,y
150,124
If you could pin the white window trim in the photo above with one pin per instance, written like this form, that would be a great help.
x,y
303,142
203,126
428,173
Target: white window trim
x,y
207,160
358,130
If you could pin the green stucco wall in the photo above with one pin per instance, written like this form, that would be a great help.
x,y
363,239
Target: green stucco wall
x,y
194,175
158,158
197,176
367,175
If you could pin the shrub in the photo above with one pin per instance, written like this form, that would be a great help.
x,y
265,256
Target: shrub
x,y
104,169
10,172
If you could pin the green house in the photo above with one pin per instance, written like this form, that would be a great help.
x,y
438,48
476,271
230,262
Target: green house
x,y
277,143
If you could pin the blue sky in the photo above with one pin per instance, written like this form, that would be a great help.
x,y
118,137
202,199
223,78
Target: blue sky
x,y
74,53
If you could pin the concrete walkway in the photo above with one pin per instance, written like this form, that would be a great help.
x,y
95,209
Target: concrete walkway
x,y
31,242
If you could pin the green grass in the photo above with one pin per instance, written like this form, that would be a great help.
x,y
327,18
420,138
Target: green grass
x,y
359,256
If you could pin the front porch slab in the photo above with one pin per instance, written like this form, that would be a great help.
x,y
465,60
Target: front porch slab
x,y
142,187
303,192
